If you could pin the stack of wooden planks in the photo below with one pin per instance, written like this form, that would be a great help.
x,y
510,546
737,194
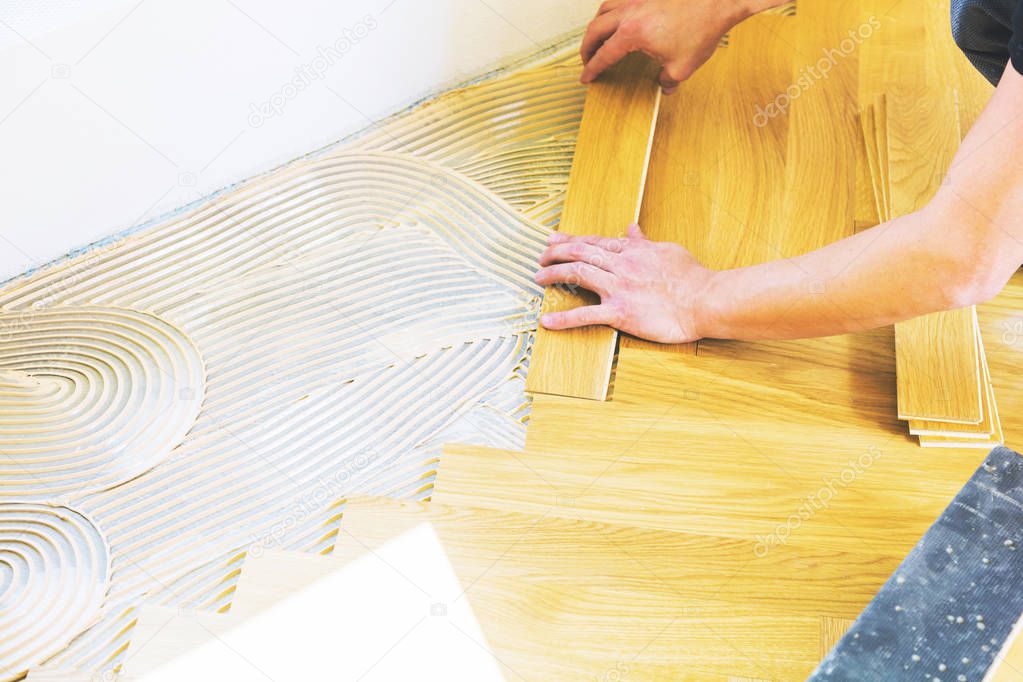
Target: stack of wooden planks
x,y
910,137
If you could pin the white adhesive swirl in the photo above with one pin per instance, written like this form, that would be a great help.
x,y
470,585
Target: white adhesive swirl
x,y
354,311
90,397
54,572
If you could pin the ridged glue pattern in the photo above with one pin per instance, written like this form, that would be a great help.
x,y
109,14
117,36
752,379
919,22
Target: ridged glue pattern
x,y
54,571
354,311
90,397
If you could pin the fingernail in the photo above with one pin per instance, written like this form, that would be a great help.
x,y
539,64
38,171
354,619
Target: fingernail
x,y
670,91
545,319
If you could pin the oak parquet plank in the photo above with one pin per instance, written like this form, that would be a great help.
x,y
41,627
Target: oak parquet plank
x,y
604,193
949,432
822,129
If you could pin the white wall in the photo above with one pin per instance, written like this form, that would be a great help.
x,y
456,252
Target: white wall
x,y
113,112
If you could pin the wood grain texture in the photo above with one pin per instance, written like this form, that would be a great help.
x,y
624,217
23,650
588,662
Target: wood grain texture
x,y
677,199
736,440
822,128
950,66
551,594
750,498
879,109
936,355
991,434
746,226
984,432
867,209
603,197
832,630
716,178
938,368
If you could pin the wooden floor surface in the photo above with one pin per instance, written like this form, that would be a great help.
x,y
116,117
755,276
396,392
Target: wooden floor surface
x,y
794,449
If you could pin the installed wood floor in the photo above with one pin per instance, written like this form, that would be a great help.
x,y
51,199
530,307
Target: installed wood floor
x,y
729,512
725,517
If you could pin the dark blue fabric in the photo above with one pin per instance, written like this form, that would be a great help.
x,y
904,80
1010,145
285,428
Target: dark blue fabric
x,y
989,32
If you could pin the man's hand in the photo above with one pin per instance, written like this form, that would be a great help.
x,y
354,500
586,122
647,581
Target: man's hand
x,y
680,34
648,289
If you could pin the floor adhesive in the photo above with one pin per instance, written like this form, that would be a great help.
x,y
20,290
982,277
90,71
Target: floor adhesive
x,y
337,321
54,571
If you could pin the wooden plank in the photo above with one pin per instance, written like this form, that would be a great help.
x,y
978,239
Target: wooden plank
x,y
971,90
746,431
748,483
991,420
832,630
676,203
936,355
550,593
750,137
604,193
938,368
984,431
822,128
866,212
750,497
717,168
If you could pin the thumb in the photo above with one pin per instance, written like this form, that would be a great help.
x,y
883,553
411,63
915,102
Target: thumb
x,y
668,84
634,232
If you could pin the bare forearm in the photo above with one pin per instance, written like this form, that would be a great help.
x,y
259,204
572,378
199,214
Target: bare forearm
x,y
913,265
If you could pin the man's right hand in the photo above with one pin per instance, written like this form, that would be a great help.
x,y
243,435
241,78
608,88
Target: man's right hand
x,y
680,34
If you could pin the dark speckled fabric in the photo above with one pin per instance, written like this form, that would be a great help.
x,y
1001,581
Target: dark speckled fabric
x,y
984,31
953,601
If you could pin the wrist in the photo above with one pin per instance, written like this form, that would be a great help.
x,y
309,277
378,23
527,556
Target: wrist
x,y
705,305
